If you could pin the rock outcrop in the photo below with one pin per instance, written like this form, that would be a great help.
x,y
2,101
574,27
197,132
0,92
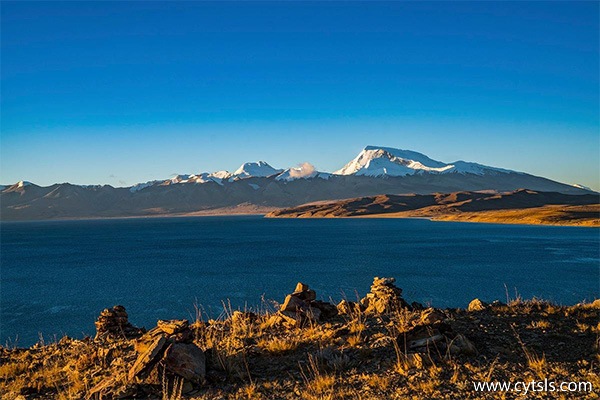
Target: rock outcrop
x,y
168,349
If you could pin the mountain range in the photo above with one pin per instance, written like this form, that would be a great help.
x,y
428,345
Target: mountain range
x,y
257,187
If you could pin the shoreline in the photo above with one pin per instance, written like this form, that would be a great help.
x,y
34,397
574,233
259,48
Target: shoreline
x,y
138,217
441,219
264,215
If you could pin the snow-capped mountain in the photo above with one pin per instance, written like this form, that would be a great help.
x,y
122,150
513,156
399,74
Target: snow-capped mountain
x,y
17,187
372,161
386,161
256,169
204,177
258,185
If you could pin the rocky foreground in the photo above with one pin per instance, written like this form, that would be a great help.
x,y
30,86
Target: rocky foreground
x,y
377,348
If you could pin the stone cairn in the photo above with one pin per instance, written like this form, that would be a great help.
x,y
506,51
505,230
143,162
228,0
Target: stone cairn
x,y
113,323
428,333
302,307
384,297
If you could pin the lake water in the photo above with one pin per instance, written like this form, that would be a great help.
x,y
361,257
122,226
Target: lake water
x,y
57,276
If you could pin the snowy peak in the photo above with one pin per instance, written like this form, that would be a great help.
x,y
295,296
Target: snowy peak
x,y
254,169
17,187
203,177
246,170
405,155
372,161
379,161
387,161
220,174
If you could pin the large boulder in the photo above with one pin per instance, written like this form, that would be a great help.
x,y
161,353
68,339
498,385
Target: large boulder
x,y
186,360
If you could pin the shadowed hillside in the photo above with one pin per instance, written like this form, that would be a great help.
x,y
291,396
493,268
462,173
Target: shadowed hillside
x,y
521,206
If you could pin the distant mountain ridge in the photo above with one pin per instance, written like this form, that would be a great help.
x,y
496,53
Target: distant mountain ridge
x,y
259,186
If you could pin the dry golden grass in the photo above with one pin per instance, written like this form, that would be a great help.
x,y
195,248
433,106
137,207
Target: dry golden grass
x,y
12,369
540,324
277,345
317,385
350,357
537,364
376,382
587,216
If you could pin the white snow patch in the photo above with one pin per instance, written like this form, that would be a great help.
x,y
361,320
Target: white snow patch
x,y
579,186
220,174
139,186
23,184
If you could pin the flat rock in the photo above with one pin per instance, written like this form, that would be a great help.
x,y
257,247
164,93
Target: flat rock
x,y
146,359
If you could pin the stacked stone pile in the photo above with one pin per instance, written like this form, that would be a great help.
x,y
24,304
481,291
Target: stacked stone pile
x,y
384,297
113,323
301,307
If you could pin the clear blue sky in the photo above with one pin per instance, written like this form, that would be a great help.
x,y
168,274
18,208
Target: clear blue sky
x,y
121,93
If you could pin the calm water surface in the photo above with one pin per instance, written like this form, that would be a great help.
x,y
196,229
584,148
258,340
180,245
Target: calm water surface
x,y
57,276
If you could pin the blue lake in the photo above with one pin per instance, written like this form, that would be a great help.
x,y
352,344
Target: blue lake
x,y
56,276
